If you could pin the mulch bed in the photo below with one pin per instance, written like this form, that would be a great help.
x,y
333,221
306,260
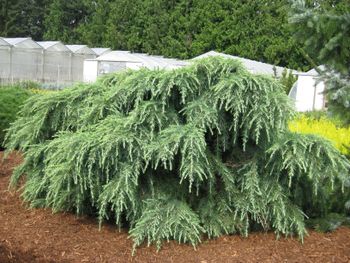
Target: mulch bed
x,y
37,235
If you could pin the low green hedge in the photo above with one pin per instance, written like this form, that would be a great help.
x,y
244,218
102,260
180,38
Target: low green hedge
x,y
11,100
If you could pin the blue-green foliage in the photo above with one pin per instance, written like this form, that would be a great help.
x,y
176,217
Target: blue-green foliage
x,y
201,150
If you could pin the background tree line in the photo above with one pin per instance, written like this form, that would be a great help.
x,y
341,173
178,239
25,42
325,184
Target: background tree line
x,y
175,28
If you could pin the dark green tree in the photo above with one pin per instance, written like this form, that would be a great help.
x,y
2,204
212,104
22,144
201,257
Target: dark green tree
x,y
63,20
20,18
257,30
122,26
94,29
253,29
6,16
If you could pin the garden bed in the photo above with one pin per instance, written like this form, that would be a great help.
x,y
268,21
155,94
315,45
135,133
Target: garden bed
x,y
37,235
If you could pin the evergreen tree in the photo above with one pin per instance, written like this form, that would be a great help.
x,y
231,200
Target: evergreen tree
x,y
19,18
253,29
122,30
325,33
94,30
257,30
5,14
63,20
200,150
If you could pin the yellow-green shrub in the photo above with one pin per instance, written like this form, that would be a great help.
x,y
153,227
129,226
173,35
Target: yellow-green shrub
x,y
324,127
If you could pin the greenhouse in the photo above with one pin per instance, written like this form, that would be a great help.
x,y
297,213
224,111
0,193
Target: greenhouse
x,y
23,59
5,60
308,92
80,53
118,60
57,62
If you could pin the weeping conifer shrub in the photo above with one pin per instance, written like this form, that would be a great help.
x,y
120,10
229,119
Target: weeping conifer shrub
x,y
202,150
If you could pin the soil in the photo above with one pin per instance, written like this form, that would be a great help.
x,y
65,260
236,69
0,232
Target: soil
x,y
37,235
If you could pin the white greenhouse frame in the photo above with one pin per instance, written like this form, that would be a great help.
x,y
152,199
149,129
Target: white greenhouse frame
x,y
5,60
23,60
57,62
80,53
308,92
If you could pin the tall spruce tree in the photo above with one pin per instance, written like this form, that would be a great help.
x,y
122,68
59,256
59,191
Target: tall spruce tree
x,y
198,151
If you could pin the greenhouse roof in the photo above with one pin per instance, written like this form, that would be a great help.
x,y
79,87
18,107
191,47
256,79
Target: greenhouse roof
x,y
251,65
14,41
81,49
118,56
22,42
148,61
177,62
53,46
145,60
100,50
153,62
313,72
4,42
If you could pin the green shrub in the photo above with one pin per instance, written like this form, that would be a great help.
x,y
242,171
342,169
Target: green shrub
x,y
28,84
11,100
201,150
328,223
333,206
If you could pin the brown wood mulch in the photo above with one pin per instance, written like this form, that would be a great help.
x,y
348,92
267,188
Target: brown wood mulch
x,y
37,235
